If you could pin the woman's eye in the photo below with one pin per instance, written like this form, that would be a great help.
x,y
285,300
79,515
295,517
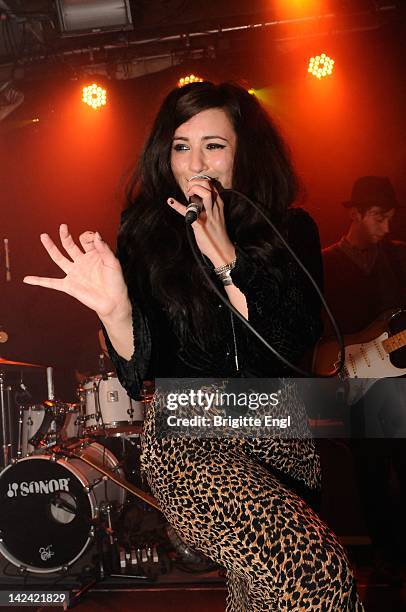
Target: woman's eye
x,y
180,147
184,147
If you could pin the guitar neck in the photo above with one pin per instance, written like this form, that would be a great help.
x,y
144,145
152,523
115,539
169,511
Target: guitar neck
x,y
395,342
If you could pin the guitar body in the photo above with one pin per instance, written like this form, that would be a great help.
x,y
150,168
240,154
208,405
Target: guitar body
x,y
379,351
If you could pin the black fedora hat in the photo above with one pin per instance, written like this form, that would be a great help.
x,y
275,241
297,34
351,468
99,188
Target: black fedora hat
x,y
371,191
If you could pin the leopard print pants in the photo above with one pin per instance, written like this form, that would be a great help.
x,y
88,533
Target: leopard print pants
x,y
222,500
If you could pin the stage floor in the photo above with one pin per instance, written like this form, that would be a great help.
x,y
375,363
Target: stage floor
x,y
201,593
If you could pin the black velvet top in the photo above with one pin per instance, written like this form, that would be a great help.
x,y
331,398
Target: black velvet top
x,y
282,306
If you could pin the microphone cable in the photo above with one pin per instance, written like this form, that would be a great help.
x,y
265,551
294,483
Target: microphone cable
x,y
202,264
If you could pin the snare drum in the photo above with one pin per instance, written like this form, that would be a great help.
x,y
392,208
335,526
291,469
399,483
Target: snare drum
x,y
106,404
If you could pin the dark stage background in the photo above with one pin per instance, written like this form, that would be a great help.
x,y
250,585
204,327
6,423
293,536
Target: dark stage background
x,y
71,166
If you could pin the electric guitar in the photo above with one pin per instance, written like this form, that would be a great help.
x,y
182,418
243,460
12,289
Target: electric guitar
x,y
379,351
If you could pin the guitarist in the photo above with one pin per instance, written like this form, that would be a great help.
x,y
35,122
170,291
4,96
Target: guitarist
x,y
365,274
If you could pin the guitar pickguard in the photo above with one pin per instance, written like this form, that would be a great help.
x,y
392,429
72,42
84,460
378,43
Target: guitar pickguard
x,y
370,360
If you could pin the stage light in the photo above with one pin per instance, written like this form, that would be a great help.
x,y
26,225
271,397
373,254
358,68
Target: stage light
x,y
321,66
83,17
251,91
191,78
94,95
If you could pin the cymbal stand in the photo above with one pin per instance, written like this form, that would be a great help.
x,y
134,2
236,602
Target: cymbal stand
x,y
50,383
22,399
21,412
4,431
9,423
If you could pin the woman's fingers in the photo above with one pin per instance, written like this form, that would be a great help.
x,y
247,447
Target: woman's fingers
x,y
55,254
42,281
211,212
68,243
107,255
207,192
87,241
180,208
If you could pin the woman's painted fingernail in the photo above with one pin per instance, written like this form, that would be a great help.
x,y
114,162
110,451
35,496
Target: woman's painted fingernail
x,y
171,201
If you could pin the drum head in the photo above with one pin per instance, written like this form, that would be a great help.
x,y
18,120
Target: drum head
x,y
45,514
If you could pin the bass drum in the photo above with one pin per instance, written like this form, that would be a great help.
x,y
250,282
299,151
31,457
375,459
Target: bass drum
x,y
48,507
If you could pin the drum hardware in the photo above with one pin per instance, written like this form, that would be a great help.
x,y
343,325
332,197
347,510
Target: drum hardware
x,y
134,559
6,417
20,431
45,425
115,432
50,384
105,510
146,497
10,431
46,435
21,397
3,419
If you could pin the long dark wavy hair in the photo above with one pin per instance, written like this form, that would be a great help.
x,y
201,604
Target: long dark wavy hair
x,y
152,243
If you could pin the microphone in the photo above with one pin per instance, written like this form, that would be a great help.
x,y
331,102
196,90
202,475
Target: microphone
x,y
195,206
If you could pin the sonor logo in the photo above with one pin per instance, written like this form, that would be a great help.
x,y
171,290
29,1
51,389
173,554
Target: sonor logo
x,y
37,486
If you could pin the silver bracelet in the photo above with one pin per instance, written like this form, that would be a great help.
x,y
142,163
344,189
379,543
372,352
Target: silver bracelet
x,y
223,272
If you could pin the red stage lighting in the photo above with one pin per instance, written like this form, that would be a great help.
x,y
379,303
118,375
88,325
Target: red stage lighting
x,y
321,66
94,95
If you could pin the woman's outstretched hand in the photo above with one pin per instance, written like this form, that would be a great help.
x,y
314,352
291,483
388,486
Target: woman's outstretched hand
x,y
93,275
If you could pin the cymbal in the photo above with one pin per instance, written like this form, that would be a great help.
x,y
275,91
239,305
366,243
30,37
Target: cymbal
x,y
18,364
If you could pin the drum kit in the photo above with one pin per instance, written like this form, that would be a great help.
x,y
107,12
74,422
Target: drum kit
x,y
61,484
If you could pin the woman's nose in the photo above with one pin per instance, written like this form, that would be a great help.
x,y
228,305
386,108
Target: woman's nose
x,y
197,161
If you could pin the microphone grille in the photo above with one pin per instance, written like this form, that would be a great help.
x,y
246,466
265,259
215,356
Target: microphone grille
x,y
203,176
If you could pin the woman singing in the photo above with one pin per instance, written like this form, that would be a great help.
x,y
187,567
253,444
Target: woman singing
x,y
240,501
